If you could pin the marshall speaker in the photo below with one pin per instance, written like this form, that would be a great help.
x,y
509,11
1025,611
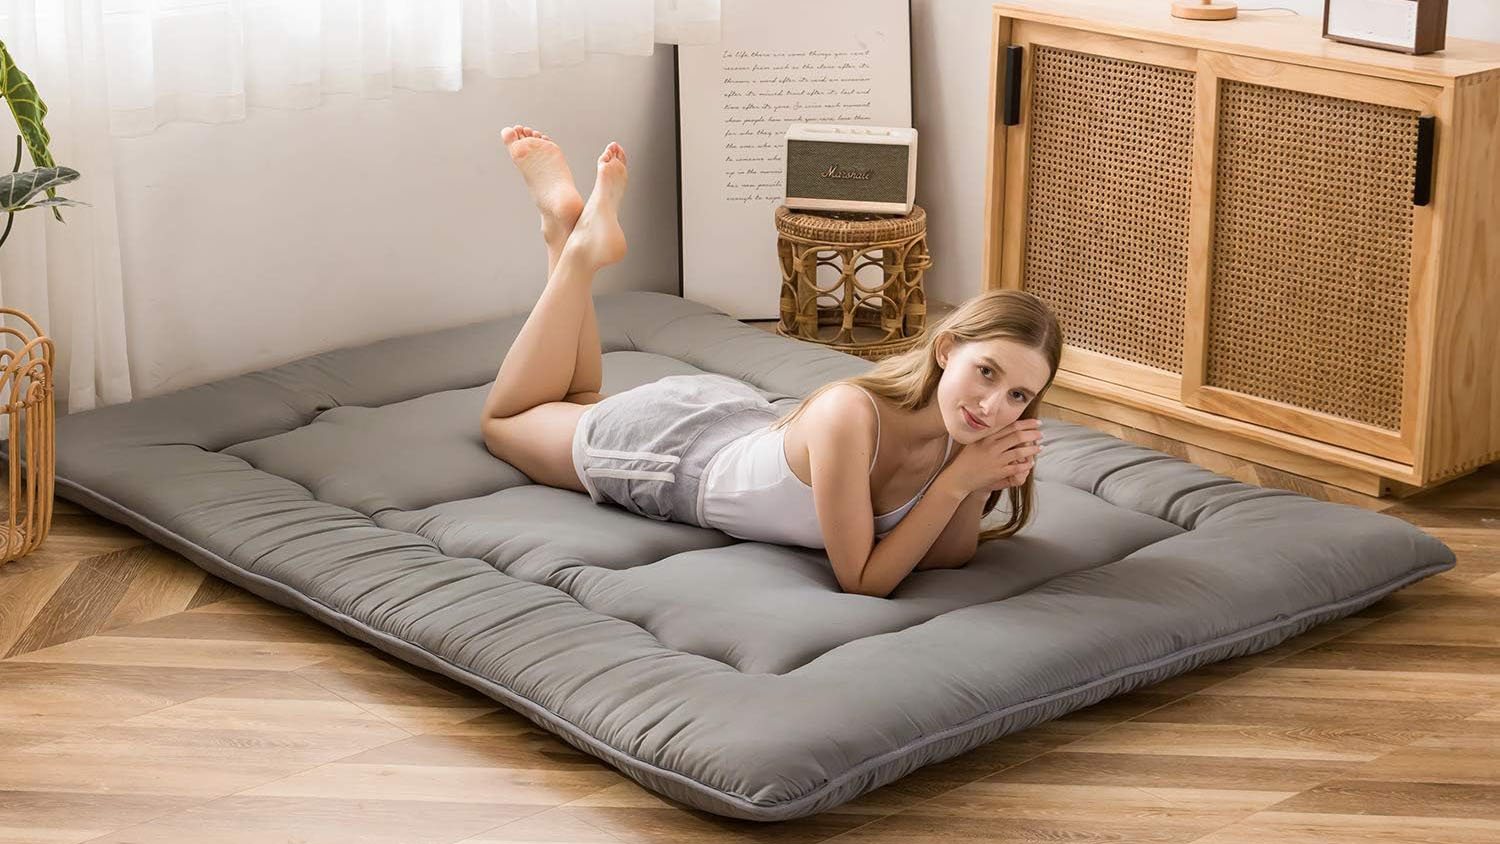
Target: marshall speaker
x,y
851,168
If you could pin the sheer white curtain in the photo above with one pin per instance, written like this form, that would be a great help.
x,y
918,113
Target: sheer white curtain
x,y
120,68
67,275
207,60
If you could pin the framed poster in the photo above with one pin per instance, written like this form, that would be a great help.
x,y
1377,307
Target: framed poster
x,y
778,62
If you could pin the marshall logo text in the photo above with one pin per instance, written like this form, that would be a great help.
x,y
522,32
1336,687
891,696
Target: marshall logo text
x,y
834,172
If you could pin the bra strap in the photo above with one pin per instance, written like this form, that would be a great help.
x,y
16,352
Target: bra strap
x,y
876,405
947,451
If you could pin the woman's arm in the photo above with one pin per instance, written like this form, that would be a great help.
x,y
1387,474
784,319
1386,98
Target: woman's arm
x,y
839,447
878,570
956,545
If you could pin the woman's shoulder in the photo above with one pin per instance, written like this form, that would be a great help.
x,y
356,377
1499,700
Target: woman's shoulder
x,y
844,403
836,429
841,416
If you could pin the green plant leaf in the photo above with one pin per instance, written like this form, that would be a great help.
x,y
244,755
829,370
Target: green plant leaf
x,y
56,200
27,108
17,188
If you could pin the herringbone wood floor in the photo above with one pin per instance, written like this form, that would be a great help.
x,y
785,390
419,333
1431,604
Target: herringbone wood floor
x,y
142,701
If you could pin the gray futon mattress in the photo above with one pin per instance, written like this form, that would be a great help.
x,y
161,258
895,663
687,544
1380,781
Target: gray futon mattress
x,y
353,486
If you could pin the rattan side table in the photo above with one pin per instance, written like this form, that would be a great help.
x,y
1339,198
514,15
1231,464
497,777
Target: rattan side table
x,y
31,436
895,306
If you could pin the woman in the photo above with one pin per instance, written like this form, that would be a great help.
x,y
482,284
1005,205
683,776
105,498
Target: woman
x,y
927,439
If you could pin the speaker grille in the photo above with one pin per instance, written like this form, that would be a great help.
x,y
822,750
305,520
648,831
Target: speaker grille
x,y
886,164
1311,251
1110,163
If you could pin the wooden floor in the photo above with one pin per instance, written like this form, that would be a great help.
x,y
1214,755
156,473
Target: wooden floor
x,y
141,701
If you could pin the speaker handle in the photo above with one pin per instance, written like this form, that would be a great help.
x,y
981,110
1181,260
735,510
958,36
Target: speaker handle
x,y
1011,107
1421,191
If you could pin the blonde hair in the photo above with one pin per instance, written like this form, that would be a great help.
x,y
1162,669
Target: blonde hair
x,y
910,379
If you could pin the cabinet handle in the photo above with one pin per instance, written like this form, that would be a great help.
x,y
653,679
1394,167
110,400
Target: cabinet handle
x,y
1421,192
1012,106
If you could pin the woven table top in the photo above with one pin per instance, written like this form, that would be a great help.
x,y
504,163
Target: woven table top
x,y
849,227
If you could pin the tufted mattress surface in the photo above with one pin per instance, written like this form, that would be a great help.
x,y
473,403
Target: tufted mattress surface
x,y
734,676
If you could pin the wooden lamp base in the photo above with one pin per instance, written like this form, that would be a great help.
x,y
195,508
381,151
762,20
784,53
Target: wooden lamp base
x,y
1205,10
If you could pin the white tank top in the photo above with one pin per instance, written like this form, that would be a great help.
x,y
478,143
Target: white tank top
x,y
750,492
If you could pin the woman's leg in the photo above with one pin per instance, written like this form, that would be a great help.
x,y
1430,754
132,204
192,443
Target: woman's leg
x,y
588,363
547,176
541,364
528,421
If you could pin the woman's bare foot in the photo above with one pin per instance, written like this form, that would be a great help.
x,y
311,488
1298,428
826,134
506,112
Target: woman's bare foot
x,y
597,237
550,181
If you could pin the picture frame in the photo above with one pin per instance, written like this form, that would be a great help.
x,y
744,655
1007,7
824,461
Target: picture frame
x,y
1415,27
726,220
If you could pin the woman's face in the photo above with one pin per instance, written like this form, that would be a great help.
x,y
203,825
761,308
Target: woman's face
x,y
990,382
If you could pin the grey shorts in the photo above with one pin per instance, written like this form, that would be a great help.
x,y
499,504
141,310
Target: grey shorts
x,y
646,448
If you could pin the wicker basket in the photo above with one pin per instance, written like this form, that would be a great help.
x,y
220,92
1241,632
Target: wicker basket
x,y
31,434
892,311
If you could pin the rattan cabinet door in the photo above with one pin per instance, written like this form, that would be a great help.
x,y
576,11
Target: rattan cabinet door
x,y
1100,170
1300,318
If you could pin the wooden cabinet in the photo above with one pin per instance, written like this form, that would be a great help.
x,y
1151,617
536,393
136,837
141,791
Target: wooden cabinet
x,y
1257,240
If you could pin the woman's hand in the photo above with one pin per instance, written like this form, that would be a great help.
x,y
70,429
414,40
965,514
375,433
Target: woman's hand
x,y
1000,460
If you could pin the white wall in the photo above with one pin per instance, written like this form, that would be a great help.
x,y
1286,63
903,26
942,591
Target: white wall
x,y
950,75
253,243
